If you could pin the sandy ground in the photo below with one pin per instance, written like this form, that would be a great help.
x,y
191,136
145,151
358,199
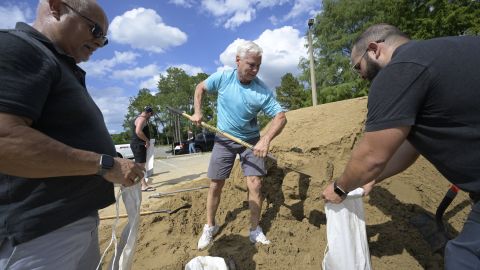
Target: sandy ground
x,y
318,141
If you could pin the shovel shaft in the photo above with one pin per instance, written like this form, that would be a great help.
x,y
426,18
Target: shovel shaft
x,y
224,134
141,214
442,207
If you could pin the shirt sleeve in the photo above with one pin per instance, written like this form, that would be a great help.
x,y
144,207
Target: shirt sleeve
x,y
212,83
26,74
270,107
396,96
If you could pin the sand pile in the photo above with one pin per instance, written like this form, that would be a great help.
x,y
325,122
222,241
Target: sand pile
x,y
318,140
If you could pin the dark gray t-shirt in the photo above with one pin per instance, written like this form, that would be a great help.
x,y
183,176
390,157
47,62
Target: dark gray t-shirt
x,y
45,85
434,87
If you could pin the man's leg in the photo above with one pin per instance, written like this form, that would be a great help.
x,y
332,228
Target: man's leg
x,y
463,252
144,182
254,168
213,200
254,184
221,163
64,248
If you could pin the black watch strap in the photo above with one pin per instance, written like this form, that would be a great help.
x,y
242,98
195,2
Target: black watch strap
x,y
105,164
340,192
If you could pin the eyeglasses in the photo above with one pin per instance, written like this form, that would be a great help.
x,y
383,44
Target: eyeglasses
x,y
96,29
356,67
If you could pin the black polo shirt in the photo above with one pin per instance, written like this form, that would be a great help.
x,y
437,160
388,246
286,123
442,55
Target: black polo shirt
x,y
41,82
434,87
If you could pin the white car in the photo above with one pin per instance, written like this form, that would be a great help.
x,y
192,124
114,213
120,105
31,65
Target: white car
x,y
124,151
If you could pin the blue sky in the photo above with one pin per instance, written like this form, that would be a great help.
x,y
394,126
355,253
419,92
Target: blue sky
x,y
146,37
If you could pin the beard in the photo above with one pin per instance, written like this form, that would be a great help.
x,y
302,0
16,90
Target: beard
x,y
372,69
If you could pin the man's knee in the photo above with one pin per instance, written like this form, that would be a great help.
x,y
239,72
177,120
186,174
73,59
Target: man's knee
x,y
254,183
216,186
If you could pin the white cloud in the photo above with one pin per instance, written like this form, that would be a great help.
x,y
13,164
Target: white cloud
x,y
99,68
113,103
282,50
151,84
183,3
189,69
233,13
273,20
10,14
144,29
303,6
239,18
136,73
272,3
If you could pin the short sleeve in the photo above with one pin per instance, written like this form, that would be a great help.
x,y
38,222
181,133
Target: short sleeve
x,y
26,76
272,107
212,83
396,96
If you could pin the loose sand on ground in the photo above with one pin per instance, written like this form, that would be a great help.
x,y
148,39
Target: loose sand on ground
x,y
318,140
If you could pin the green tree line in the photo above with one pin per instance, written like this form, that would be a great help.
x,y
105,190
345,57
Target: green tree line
x,y
333,32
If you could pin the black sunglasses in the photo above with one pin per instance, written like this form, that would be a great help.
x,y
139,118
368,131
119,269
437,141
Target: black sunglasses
x,y
96,29
356,66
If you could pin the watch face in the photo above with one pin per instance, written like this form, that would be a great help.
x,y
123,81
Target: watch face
x,y
107,161
338,190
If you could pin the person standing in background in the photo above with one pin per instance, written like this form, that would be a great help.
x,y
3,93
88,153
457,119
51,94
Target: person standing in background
x,y
140,141
191,142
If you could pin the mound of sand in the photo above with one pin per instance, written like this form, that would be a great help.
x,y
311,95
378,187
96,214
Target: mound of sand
x,y
318,140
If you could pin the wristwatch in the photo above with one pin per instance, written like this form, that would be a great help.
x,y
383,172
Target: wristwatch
x,y
105,164
340,192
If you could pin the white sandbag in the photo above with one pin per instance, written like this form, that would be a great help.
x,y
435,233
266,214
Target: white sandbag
x,y
347,245
206,263
150,159
124,249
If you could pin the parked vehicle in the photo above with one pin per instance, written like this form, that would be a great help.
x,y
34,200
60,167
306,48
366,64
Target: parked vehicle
x,y
124,151
203,143
180,148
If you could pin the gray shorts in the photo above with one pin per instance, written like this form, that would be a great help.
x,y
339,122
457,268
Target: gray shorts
x,y
72,247
463,252
223,157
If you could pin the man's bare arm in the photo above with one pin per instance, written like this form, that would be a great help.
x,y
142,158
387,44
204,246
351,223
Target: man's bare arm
x,y
403,158
197,101
369,159
26,152
276,126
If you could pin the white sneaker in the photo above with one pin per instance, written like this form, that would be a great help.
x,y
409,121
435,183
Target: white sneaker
x,y
207,236
257,236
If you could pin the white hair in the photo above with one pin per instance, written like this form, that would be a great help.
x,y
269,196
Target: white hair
x,y
248,47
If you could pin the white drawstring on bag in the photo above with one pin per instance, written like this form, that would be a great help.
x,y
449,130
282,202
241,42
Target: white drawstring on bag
x,y
347,244
124,250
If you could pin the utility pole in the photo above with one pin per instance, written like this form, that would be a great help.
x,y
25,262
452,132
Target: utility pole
x,y
313,83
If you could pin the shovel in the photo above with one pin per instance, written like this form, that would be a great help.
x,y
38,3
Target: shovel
x,y
432,228
237,140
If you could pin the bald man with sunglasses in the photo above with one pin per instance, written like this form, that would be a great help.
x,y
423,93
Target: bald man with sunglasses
x,y
57,166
